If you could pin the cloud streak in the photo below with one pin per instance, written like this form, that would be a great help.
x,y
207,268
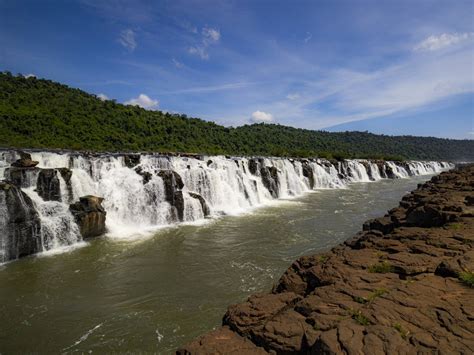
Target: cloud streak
x,y
434,43
127,39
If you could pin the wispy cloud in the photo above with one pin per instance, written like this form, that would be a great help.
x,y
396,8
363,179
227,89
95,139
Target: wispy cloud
x,y
199,51
434,43
211,88
143,101
209,36
293,96
308,37
127,39
260,116
328,97
177,63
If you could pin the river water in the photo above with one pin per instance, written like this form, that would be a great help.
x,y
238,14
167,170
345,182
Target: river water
x,y
153,294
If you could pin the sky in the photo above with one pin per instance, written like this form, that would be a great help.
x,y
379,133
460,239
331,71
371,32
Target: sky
x,y
386,66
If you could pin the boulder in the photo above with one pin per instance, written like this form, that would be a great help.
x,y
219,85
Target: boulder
x,y
89,215
25,161
20,225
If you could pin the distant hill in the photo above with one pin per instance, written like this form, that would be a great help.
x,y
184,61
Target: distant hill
x,y
38,113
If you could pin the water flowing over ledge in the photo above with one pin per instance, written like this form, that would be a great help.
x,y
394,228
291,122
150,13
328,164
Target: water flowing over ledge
x,y
144,192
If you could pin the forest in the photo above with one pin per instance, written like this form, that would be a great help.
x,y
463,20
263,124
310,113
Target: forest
x,y
39,113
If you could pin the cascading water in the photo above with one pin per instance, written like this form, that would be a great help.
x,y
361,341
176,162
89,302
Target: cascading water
x,y
155,191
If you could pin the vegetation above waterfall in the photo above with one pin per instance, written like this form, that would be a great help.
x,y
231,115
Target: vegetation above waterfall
x,y
37,113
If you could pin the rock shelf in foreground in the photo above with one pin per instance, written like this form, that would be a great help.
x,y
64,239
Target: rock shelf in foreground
x,y
401,286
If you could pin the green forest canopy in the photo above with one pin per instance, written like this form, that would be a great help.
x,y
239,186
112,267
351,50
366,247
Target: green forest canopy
x,y
38,113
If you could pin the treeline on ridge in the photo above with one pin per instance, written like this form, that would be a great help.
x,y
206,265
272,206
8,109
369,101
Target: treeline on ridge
x,y
38,113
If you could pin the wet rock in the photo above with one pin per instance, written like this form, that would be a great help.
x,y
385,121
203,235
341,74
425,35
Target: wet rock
x,y
389,173
66,174
131,160
205,208
48,185
173,194
20,225
308,172
147,176
89,215
254,165
270,179
22,177
25,161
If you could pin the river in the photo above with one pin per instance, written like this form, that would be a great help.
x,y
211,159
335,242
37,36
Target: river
x,y
153,294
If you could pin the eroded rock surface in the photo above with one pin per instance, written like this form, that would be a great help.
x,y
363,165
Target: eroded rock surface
x,y
397,287
20,226
173,192
25,161
90,216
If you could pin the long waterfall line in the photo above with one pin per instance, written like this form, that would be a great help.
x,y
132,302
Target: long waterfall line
x,y
136,194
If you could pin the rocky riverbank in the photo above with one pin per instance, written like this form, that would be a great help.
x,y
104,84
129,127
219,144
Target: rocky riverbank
x,y
402,285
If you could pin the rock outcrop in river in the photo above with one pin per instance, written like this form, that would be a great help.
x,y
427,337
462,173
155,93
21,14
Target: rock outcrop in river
x,y
90,216
401,286
20,225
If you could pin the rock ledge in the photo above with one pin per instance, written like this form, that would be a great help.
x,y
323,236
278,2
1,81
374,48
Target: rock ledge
x,y
401,286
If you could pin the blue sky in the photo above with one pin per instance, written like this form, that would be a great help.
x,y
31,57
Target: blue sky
x,y
393,67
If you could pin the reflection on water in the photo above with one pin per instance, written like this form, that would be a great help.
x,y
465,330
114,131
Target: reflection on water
x,y
153,295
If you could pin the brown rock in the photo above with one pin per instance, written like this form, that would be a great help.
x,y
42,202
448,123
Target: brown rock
x,y
392,289
90,216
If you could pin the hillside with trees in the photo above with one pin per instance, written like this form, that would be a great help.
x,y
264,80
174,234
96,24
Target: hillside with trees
x,y
38,113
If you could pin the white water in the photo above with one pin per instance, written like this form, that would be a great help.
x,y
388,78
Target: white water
x,y
227,185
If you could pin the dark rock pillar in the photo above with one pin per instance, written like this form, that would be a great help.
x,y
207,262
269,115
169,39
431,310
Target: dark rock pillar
x,y
20,225
89,215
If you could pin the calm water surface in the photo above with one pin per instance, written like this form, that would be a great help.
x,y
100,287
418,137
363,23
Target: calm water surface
x,y
155,294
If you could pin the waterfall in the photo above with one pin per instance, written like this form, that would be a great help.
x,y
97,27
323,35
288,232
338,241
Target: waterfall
x,y
58,228
144,192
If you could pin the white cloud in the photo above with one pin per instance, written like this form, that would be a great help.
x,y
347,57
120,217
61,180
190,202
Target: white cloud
x,y
27,76
127,39
293,96
177,64
199,51
209,36
433,43
103,97
143,101
260,116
